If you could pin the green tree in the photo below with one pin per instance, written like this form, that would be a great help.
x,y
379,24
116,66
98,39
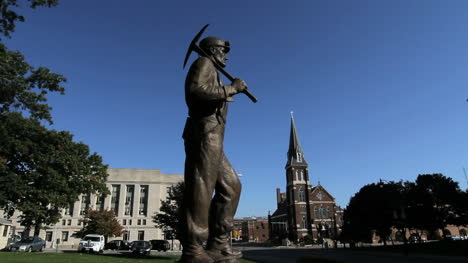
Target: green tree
x,y
9,17
23,88
375,209
101,223
354,227
461,210
436,201
41,171
44,170
430,203
168,217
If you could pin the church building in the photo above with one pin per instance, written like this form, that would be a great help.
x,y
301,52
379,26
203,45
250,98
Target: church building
x,y
303,209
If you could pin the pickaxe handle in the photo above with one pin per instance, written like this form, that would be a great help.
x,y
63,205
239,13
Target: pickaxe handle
x,y
201,52
231,78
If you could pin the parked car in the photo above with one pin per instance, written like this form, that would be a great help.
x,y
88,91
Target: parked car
x,y
118,245
29,244
160,245
141,247
414,238
92,243
455,238
11,241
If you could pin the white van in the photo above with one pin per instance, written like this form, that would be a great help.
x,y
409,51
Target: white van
x,y
92,243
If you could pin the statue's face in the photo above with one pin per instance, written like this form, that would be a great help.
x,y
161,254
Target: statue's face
x,y
219,54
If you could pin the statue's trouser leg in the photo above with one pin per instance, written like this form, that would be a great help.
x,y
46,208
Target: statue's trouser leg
x,y
204,153
223,207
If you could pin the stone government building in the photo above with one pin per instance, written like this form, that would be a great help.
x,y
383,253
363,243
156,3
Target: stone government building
x,y
136,195
303,208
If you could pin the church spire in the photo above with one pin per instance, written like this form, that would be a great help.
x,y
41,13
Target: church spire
x,y
295,153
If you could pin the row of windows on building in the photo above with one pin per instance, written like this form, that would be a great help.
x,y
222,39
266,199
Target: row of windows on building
x,y
125,222
322,213
115,201
262,226
304,223
129,196
301,194
283,225
297,176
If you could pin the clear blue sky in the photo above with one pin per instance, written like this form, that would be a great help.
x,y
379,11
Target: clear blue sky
x,y
378,88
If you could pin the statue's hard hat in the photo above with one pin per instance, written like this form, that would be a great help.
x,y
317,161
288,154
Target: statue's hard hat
x,y
207,42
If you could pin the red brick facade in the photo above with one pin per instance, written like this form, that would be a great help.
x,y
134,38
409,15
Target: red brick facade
x,y
252,229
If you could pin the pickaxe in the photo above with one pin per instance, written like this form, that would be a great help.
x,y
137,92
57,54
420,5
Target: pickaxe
x,y
194,47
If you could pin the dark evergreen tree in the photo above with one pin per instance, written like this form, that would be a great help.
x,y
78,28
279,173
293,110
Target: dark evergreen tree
x,y
168,217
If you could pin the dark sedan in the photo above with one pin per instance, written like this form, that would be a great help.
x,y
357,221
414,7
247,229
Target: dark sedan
x,y
160,245
141,247
118,245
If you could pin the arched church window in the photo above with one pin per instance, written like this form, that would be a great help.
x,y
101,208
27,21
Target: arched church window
x,y
302,197
299,157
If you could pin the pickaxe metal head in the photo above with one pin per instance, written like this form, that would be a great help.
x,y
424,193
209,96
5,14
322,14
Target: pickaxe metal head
x,y
193,44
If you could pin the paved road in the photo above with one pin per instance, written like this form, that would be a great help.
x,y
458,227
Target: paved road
x,y
292,255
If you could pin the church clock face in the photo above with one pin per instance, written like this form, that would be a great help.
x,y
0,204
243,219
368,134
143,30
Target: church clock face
x,y
320,195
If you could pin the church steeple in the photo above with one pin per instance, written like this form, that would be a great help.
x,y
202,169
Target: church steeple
x,y
295,153
298,187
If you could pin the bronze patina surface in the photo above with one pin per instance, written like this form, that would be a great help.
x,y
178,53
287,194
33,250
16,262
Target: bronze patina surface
x,y
212,187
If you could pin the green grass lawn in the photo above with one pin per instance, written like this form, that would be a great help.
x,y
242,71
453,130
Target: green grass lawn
x,y
22,257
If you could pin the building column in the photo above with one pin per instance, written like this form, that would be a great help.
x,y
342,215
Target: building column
x,y
136,201
92,202
123,191
107,200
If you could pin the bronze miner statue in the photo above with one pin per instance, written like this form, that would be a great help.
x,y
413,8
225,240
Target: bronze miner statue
x,y
207,218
